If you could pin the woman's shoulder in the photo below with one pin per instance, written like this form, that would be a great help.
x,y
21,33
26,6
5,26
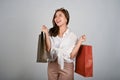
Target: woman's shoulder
x,y
72,34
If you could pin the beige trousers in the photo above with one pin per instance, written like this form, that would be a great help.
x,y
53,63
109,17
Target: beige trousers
x,y
55,73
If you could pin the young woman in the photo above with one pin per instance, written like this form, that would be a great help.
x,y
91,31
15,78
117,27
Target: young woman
x,y
63,45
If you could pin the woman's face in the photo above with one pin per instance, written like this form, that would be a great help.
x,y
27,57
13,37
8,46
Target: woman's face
x,y
60,19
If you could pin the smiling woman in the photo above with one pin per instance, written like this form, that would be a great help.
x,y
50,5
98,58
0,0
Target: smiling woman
x,y
58,20
20,22
62,45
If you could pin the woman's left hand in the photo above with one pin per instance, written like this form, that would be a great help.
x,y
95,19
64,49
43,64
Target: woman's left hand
x,y
83,38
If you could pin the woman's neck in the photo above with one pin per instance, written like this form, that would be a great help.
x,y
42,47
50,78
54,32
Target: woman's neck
x,y
62,30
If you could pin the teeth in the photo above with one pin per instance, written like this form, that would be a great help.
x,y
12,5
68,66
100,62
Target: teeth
x,y
58,21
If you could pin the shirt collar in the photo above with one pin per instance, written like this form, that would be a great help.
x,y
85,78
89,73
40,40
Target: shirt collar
x,y
66,32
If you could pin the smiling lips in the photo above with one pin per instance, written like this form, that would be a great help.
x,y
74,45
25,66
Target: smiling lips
x,y
58,21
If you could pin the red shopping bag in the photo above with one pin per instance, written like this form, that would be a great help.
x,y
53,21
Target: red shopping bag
x,y
84,61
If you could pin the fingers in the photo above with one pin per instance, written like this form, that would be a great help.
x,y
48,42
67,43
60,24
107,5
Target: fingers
x,y
44,29
83,38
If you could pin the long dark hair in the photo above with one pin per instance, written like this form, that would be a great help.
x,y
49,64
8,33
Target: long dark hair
x,y
55,29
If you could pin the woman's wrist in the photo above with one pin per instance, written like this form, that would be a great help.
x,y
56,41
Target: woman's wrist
x,y
47,34
79,42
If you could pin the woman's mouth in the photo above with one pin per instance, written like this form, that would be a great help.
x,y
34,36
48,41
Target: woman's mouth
x,y
58,22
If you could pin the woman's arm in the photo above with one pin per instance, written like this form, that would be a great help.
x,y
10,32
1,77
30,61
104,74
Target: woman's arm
x,y
48,43
77,46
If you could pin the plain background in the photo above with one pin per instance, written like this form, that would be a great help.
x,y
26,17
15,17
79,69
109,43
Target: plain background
x,y
20,23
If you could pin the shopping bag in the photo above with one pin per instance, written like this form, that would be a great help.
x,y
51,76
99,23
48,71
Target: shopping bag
x,y
84,61
42,54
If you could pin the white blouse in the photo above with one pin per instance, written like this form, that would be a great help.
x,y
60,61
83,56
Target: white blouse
x,y
62,47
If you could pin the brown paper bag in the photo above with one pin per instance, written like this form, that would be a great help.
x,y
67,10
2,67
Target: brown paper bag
x,y
84,61
42,54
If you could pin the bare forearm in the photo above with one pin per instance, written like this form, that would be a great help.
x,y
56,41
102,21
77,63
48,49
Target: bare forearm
x,y
48,43
75,49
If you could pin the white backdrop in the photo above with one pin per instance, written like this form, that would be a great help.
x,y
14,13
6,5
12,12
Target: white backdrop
x,y
20,23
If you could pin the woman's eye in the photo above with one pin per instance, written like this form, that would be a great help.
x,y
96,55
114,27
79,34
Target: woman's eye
x,y
60,15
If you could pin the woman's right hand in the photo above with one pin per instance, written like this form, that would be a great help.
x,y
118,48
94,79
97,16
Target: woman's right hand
x,y
48,44
44,29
